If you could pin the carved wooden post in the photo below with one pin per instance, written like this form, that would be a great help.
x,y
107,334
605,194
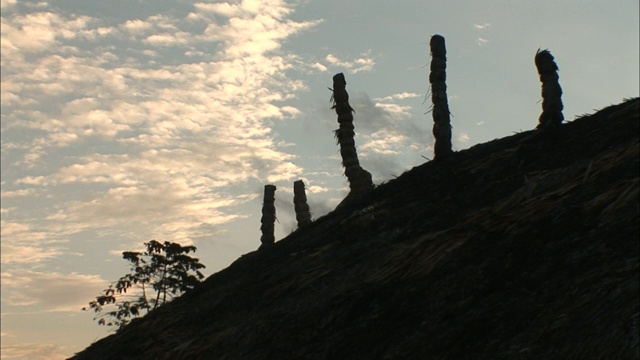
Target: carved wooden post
x,y
268,216
360,181
551,116
303,215
437,78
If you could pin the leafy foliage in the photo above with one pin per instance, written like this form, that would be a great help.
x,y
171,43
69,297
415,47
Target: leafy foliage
x,y
158,275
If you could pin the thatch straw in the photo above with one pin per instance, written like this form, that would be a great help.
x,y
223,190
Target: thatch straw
x,y
551,116
437,78
513,252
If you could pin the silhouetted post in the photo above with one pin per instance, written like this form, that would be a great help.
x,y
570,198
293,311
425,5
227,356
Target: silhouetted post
x,y
268,216
303,214
551,116
360,181
438,78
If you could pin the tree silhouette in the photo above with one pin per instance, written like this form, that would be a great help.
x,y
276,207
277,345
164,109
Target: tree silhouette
x,y
161,273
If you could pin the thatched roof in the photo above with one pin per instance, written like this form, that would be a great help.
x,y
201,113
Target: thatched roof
x,y
525,247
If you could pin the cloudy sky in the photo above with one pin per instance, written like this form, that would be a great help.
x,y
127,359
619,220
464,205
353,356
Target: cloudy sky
x,y
125,121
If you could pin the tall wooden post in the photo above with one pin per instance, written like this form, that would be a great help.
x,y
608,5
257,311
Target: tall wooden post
x,y
268,216
441,114
551,116
303,213
360,181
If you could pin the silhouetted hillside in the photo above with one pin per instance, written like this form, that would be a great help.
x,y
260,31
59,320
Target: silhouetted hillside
x,y
524,247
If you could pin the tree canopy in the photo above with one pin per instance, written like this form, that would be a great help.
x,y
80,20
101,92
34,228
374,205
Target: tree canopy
x,y
158,275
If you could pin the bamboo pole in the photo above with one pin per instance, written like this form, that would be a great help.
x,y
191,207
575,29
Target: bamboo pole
x,y
303,213
552,107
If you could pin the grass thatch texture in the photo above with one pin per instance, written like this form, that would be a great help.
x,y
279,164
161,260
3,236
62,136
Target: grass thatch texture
x,y
505,250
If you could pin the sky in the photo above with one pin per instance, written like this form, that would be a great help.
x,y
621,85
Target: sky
x,y
125,121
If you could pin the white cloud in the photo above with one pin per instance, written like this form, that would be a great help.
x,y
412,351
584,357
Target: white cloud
x,y
387,132
482,41
253,27
32,351
319,67
177,38
395,110
384,142
36,5
4,4
187,130
25,254
32,180
50,291
17,193
223,8
363,63
481,26
137,26
28,33
315,189
23,243
388,116
40,31
463,138
399,96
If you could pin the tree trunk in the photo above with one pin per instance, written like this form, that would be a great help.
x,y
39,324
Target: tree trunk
x,y
162,288
144,295
551,116
268,216
437,78
360,181
303,215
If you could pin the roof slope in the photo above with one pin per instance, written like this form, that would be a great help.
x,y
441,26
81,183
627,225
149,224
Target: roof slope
x,y
524,247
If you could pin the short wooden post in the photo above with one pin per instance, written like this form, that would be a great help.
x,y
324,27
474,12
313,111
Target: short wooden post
x,y
303,213
268,216
440,112
360,180
551,116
